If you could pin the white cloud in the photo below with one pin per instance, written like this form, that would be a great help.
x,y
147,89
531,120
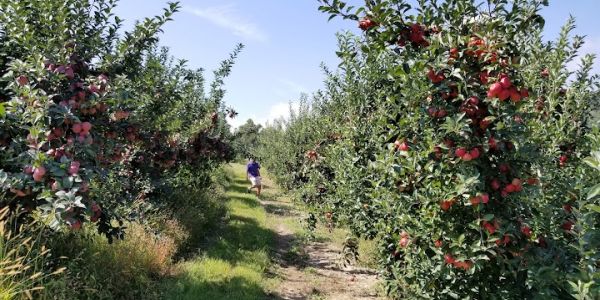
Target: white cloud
x,y
275,112
236,122
281,110
227,16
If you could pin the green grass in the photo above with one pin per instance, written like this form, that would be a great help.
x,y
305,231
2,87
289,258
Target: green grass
x,y
233,263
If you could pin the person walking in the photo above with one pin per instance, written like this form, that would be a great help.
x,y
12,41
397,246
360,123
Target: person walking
x,y
253,175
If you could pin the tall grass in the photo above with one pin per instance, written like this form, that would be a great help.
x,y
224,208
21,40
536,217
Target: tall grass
x,y
135,267
23,258
126,269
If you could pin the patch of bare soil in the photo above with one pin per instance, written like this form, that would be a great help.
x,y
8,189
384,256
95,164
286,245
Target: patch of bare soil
x,y
313,271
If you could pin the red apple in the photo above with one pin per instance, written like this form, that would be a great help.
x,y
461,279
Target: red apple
x,y
495,184
74,167
77,128
38,174
86,126
22,80
495,89
505,82
485,198
366,23
526,230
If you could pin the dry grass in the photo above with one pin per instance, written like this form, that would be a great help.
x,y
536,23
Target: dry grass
x,y
126,269
143,251
22,257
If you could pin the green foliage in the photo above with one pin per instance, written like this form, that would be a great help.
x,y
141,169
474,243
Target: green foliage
x,y
101,129
454,136
97,123
246,139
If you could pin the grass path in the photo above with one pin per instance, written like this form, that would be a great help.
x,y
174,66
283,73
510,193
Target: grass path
x,y
262,252
235,261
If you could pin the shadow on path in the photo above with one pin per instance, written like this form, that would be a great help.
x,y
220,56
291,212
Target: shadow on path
x,y
233,261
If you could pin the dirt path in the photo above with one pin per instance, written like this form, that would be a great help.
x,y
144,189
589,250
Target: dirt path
x,y
310,269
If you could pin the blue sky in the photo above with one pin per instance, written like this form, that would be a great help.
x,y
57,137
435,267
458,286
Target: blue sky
x,y
286,41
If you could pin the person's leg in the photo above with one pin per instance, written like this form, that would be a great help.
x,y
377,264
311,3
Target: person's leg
x,y
252,184
258,189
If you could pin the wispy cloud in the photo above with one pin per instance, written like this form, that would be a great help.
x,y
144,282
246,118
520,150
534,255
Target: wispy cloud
x,y
281,111
288,88
277,111
228,17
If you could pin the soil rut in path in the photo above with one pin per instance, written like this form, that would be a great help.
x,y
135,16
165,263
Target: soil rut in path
x,y
310,270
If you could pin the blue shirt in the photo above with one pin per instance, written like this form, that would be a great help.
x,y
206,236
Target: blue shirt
x,y
253,169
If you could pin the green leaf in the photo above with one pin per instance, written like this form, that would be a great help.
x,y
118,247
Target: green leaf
x,y
594,191
488,217
595,208
2,110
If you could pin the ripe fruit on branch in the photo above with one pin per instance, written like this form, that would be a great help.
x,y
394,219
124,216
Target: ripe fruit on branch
x,y
22,80
505,82
526,230
562,160
483,77
454,53
86,127
483,198
77,128
504,89
435,77
495,184
38,174
401,145
504,241
447,204
75,225
495,90
28,170
404,241
74,168
467,155
366,23
567,226
464,265
417,35
489,227
437,113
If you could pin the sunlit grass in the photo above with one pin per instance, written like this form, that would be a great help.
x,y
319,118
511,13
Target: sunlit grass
x,y
233,264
